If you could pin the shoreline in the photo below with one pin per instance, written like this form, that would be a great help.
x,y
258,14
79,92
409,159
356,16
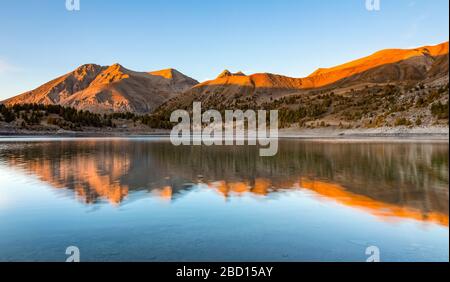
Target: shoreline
x,y
425,134
418,133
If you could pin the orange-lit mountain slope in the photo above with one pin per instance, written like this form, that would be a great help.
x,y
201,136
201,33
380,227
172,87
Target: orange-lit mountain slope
x,y
409,64
325,76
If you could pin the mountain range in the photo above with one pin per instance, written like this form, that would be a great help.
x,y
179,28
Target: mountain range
x,y
109,89
114,88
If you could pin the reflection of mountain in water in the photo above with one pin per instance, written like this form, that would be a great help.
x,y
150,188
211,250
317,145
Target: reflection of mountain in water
x,y
388,180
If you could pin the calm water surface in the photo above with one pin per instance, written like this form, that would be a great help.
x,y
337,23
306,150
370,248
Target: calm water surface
x,y
142,199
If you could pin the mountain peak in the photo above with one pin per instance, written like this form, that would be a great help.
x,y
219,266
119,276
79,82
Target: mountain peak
x,y
117,67
86,69
175,77
88,66
227,73
167,73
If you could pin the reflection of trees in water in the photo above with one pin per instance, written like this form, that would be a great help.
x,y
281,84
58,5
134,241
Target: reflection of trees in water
x,y
395,171
405,174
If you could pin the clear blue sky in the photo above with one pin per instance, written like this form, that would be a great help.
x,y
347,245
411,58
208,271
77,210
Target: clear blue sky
x,y
41,40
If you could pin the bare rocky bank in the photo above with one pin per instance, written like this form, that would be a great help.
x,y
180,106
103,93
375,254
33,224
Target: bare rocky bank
x,y
433,132
424,133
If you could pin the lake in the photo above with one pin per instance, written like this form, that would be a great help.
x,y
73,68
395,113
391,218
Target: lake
x,y
143,199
